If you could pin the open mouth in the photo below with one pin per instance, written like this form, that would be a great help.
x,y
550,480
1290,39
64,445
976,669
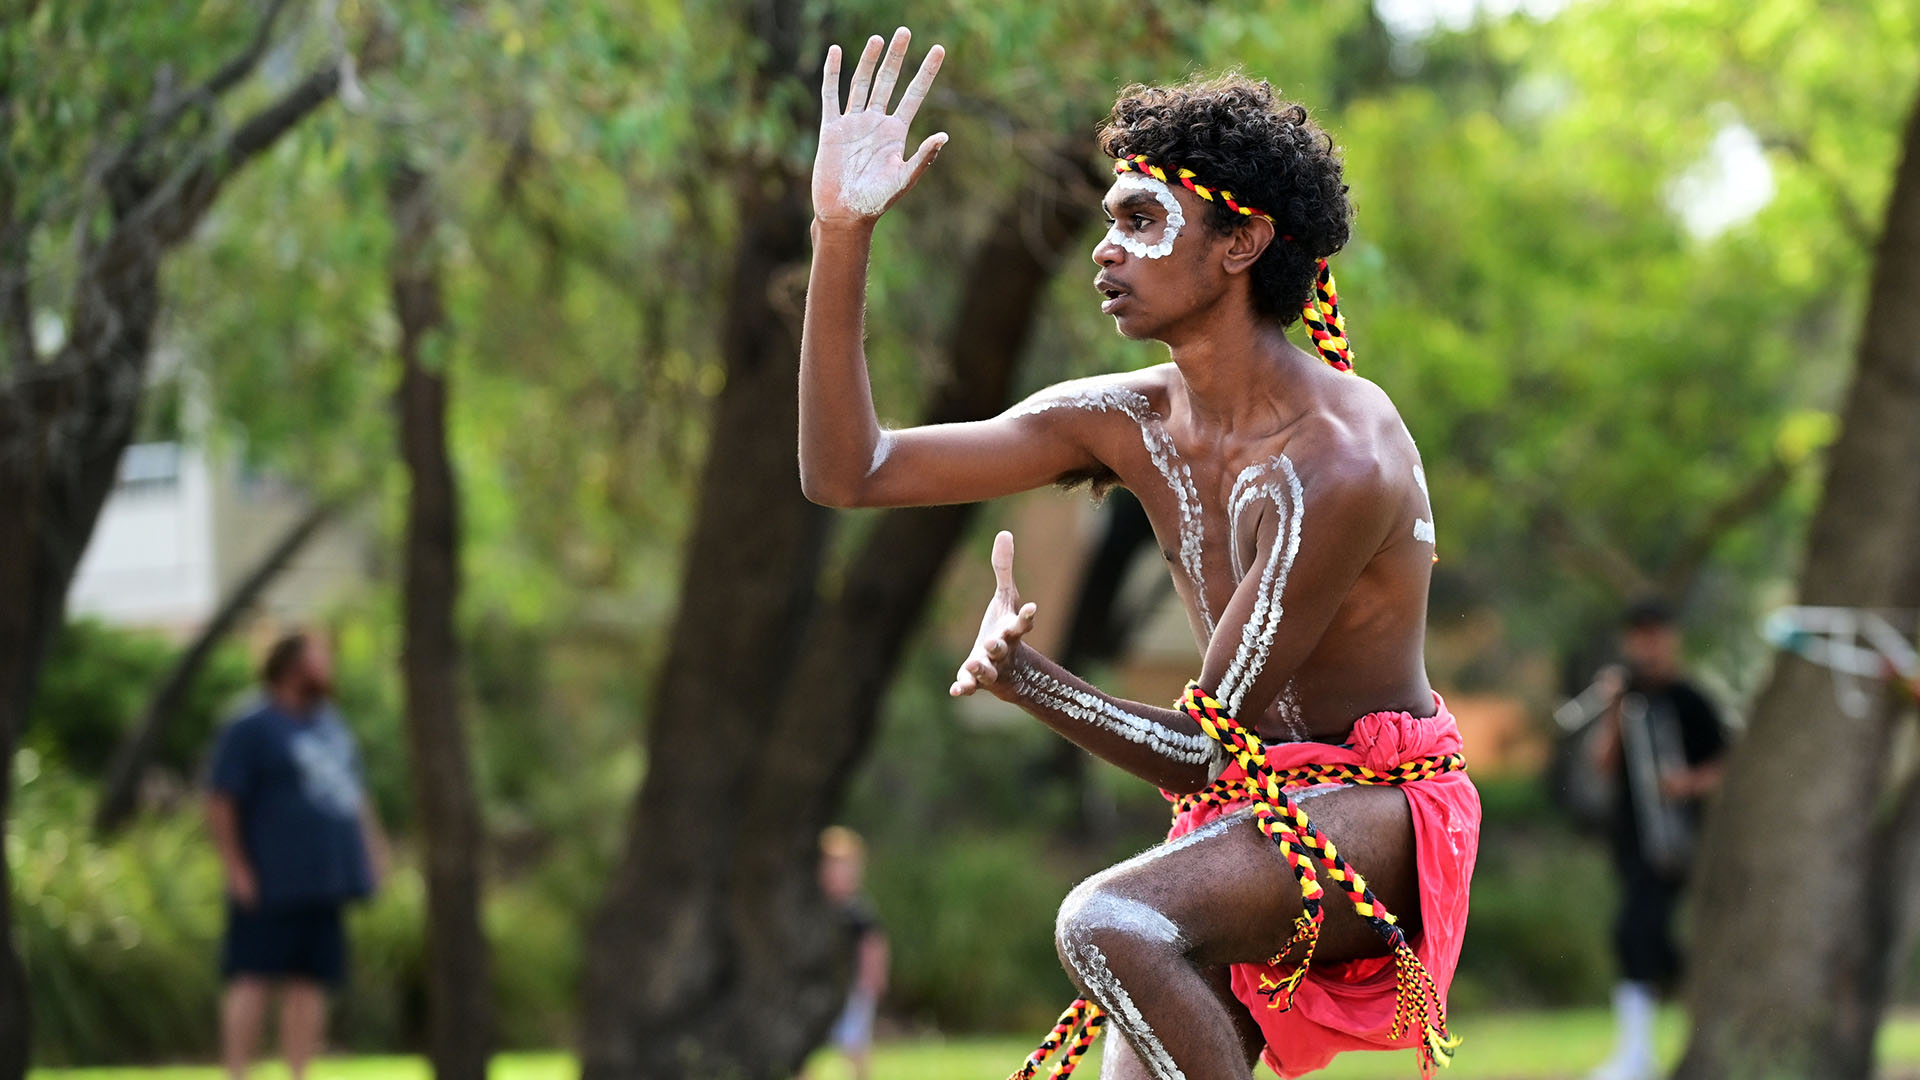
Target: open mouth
x,y
1115,294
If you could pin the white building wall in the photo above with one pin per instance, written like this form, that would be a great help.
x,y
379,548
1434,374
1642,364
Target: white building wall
x,y
151,559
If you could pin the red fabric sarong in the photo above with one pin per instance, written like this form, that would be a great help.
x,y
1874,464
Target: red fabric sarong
x,y
1350,1006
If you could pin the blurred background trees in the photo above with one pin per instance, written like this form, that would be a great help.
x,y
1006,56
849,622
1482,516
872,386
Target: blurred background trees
x,y
1610,260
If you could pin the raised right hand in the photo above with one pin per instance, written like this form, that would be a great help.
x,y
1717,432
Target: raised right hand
x,y
861,168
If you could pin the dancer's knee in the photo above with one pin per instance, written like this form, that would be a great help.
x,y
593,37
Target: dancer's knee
x,y
1097,921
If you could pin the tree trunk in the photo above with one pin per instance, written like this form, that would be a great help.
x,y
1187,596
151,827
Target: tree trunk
x,y
118,801
1785,929
65,419
459,991
715,954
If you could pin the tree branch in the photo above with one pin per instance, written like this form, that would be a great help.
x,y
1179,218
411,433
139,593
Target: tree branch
x,y
1760,493
1594,556
170,213
1853,221
166,114
119,798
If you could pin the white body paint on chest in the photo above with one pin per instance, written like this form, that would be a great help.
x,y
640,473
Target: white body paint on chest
x,y
1278,483
1043,689
1176,218
1165,457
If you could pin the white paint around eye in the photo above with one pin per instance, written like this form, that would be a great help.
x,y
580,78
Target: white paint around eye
x,y
1165,457
1257,634
1176,218
1188,748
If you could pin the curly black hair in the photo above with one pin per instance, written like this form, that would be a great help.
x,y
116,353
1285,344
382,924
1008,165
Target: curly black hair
x,y
1234,133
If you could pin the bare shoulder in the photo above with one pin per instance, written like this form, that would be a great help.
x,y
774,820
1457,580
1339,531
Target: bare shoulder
x,y
1355,451
1135,394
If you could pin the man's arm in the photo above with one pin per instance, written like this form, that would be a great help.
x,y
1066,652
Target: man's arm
x,y
379,852
1313,545
871,974
846,458
223,823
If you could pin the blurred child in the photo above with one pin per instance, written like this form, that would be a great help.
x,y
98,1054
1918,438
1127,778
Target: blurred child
x,y
842,866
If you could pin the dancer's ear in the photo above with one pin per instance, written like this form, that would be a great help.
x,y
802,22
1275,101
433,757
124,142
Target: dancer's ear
x,y
1247,244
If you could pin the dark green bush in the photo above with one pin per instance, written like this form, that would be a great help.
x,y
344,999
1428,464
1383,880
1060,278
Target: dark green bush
x,y
97,680
121,940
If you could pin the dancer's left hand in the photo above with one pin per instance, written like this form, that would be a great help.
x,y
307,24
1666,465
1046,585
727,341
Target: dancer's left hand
x,y
1007,621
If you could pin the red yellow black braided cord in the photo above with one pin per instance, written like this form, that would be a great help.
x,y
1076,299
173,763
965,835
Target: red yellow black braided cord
x,y
1075,1030
1418,999
1307,851
1321,315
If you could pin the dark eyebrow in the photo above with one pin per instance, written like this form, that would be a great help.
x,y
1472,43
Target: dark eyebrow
x,y
1136,200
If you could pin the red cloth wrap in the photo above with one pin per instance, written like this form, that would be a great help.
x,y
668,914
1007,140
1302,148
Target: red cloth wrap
x,y
1349,1006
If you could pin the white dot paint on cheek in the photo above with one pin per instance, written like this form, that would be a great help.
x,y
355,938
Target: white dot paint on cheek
x,y
1176,218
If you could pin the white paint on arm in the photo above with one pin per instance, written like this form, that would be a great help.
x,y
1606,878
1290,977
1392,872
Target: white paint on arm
x,y
882,447
1423,527
1187,748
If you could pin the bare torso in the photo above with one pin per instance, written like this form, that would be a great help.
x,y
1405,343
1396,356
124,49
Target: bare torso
x,y
1370,657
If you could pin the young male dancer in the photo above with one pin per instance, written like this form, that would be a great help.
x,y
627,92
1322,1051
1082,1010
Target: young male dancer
x,y
1290,504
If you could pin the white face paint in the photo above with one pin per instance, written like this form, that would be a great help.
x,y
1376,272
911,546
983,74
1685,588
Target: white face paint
x,y
1287,497
1144,245
1165,457
1089,708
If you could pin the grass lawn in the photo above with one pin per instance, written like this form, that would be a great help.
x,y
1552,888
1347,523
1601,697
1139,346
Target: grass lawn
x,y
1559,1045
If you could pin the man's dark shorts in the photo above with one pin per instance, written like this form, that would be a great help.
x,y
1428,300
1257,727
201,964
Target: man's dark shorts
x,y
285,943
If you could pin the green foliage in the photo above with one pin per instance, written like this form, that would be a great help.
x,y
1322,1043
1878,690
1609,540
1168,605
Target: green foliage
x,y
970,921
117,939
97,681
121,940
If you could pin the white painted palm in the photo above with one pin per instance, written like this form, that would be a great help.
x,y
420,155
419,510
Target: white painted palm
x,y
861,167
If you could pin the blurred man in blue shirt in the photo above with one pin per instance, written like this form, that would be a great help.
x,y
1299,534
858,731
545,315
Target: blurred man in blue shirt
x,y
297,839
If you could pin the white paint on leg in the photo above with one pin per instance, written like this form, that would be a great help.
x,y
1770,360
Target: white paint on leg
x,y
1097,908
1104,987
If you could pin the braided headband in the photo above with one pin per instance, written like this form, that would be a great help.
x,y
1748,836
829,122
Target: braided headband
x,y
1322,312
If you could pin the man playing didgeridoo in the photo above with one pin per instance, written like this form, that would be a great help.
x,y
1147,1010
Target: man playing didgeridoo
x,y
1289,500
